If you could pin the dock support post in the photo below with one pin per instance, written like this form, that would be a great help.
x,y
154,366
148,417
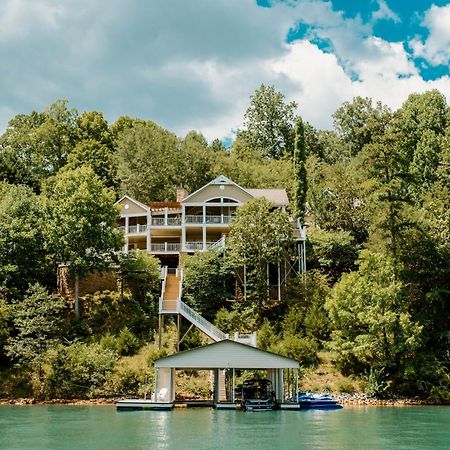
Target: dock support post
x,y
160,330
178,331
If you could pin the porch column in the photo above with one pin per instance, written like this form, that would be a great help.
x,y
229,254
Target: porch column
x,y
148,232
166,215
204,227
216,385
127,222
183,227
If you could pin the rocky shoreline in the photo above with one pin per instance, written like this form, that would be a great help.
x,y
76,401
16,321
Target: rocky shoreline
x,y
343,399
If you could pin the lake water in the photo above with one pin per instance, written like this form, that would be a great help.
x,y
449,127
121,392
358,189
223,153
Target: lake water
x,y
101,427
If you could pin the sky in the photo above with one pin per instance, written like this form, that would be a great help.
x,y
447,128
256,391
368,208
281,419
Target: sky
x,y
193,64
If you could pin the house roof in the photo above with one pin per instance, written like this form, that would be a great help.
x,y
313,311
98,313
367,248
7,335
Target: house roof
x,y
227,354
220,180
132,200
276,196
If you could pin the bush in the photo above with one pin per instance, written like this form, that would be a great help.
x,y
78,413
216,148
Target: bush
x,y
76,371
125,344
304,350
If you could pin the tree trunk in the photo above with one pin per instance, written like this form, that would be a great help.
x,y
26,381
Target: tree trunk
x,y
77,297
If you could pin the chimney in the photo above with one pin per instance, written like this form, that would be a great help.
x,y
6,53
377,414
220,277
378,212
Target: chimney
x,y
182,193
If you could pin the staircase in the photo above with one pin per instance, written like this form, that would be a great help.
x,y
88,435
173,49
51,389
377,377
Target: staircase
x,y
170,303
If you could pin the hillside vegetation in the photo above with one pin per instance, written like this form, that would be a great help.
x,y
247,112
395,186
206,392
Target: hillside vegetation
x,y
372,311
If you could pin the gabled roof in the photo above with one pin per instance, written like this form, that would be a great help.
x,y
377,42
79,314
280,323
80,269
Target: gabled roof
x,y
277,197
227,354
220,180
132,200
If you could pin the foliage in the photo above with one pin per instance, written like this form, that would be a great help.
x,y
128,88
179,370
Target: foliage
x,y
269,123
333,252
239,319
125,344
207,282
81,223
372,327
37,322
37,145
301,186
76,371
140,272
23,257
258,236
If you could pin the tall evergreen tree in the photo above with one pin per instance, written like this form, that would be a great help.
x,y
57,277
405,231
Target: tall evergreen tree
x,y
301,186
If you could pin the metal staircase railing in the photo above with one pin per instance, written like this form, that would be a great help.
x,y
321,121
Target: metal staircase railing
x,y
200,322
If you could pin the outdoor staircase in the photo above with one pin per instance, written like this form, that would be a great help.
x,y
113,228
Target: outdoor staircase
x,y
170,303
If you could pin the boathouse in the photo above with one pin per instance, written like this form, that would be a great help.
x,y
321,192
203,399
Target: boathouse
x,y
223,358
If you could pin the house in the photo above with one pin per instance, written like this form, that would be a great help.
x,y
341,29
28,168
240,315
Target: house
x,y
194,222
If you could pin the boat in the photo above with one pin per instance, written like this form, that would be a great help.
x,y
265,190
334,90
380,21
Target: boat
x,y
258,395
308,400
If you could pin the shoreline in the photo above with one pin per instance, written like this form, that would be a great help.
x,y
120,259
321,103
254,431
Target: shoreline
x,y
344,399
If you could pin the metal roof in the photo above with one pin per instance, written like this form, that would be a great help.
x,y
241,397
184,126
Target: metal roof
x,y
227,354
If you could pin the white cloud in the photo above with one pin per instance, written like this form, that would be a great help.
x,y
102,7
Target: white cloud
x,y
385,13
436,47
194,64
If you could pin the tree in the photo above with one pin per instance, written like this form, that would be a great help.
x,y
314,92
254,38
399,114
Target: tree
x,y
372,326
207,281
355,121
23,256
301,187
269,123
81,223
149,162
259,235
36,146
37,321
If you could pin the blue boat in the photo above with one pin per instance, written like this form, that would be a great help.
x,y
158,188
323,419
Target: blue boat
x,y
308,400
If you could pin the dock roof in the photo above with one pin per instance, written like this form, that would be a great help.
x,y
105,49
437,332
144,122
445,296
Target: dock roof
x,y
227,354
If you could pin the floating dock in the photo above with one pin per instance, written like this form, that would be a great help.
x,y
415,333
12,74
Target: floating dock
x,y
143,404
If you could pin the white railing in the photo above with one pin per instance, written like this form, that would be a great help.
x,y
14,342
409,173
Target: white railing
x,y
163,287
193,219
218,244
173,221
200,322
137,229
193,246
210,220
165,247
161,221
246,338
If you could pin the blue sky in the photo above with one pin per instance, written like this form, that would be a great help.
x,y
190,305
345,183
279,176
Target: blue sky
x,y
192,64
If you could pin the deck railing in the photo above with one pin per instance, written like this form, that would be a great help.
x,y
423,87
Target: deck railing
x,y
166,247
210,220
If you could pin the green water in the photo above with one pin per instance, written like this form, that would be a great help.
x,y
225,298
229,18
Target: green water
x,y
101,427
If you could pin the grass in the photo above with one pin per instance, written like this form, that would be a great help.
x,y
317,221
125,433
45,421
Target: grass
x,y
325,377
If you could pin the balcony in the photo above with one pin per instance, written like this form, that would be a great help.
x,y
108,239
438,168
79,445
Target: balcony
x,y
209,220
162,222
135,229
166,247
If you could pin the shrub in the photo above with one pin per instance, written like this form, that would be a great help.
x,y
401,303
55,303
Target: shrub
x,y
76,371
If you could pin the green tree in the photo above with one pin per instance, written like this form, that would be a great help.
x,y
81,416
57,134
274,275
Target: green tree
x,y
37,145
81,223
269,123
301,186
355,122
259,235
23,254
149,162
207,282
370,318
37,321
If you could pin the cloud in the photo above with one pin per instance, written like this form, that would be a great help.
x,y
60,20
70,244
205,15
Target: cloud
x,y
384,13
194,64
436,47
